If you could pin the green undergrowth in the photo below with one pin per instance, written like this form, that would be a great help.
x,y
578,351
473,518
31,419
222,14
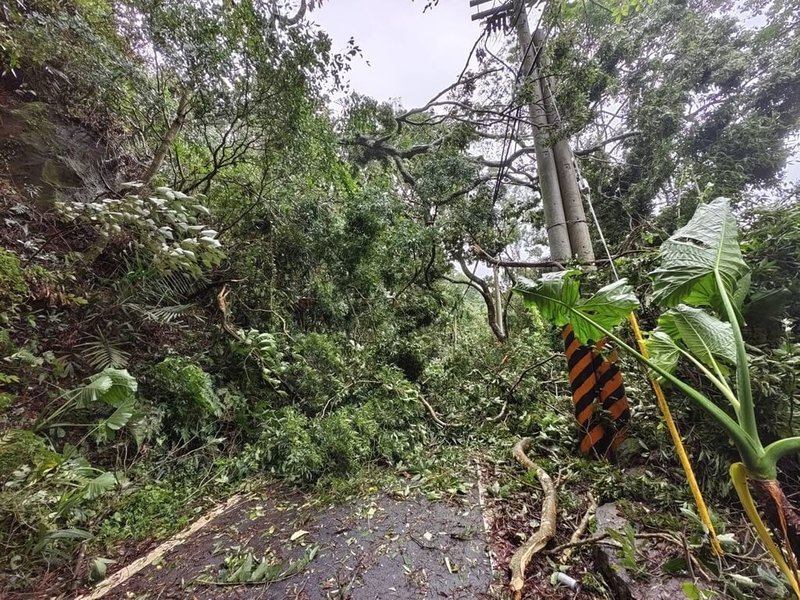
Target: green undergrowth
x,y
337,419
158,509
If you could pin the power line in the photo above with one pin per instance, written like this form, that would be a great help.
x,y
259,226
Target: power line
x,y
513,111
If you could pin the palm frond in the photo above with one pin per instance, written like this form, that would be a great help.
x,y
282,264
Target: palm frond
x,y
102,352
162,298
170,289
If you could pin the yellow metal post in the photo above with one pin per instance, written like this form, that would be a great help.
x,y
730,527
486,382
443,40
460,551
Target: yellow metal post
x,y
702,510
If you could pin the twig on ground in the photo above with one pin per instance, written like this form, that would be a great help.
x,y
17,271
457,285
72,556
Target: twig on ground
x,y
581,529
433,414
591,540
499,415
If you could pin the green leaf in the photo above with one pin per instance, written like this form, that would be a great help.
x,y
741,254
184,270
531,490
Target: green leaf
x,y
663,352
609,307
266,571
693,255
111,386
123,386
120,417
691,591
100,485
741,291
766,305
243,574
99,568
68,534
62,534
675,565
552,294
557,296
96,388
707,338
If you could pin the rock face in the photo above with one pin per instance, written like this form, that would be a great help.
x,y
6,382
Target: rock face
x,y
48,158
653,584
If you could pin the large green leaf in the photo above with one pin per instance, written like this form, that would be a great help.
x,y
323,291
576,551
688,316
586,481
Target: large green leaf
x,y
124,386
552,294
117,420
111,386
703,335
97,386
120,417
557,296
663,352
62,534
692,257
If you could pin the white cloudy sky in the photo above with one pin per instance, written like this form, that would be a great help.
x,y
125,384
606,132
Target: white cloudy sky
x,y
408,55
411,55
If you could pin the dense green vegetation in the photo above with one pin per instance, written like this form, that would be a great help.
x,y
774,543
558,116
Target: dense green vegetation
x,y
208,279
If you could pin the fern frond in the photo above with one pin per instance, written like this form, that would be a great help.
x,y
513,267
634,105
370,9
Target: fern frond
x,y
162,299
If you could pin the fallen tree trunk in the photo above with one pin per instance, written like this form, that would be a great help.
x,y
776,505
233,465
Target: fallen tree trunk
x,y
546,530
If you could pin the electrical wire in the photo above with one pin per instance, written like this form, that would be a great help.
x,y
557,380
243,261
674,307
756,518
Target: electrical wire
x,y
514,111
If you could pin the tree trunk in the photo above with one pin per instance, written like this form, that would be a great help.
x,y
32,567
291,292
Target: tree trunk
x,y
498,304
494,309
555,221
167,140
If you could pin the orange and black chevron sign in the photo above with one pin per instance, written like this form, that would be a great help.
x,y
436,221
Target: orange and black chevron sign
x,y
598,395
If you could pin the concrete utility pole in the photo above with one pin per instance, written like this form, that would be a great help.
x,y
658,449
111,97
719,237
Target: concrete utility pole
x,y
555,221
571,198
565,219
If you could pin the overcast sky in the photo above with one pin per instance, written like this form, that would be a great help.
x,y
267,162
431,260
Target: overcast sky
x,y
407,55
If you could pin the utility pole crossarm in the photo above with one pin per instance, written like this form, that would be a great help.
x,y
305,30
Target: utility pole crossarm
x,y
491,12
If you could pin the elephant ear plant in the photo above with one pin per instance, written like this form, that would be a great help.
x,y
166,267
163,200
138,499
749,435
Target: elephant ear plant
x,y
702,282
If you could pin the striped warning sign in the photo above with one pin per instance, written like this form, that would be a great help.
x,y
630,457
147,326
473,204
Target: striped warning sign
x,y
598,395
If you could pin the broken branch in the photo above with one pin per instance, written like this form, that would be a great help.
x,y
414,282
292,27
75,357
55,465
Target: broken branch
x,y
546,530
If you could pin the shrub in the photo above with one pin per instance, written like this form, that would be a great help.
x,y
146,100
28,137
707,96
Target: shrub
x,y
188,395
343,439
154,509
317,370
45,500
188,385
167,225
20,448
13,287
288,447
